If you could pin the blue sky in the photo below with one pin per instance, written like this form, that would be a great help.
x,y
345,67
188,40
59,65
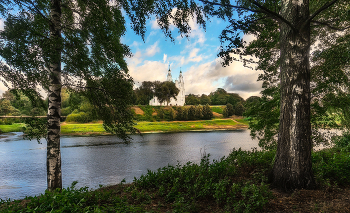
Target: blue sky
x,y
196,56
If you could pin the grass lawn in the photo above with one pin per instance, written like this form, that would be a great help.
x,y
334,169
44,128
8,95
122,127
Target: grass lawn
x,y
17,127
89,128
143,126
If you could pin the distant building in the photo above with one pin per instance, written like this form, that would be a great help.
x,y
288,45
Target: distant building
x,y
180,98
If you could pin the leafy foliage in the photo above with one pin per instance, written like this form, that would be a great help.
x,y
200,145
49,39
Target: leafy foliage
x,y
185,185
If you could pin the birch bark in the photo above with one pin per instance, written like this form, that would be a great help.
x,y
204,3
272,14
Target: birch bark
x,y
292,166
54,176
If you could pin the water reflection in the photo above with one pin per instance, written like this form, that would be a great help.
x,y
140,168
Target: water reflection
x,y
107,160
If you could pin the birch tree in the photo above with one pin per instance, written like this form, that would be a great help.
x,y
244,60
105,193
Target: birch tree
x,y
72,43
285,31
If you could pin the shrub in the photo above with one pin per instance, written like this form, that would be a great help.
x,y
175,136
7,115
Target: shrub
x,y
183,186
331,165
81,117
191,115
225,113
207,112
199,112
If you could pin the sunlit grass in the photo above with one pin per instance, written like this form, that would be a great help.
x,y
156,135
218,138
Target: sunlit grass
x,y
16,127
90,128
143,126
185,126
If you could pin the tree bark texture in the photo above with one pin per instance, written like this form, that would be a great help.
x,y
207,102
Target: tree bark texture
x,y
54,176
292,166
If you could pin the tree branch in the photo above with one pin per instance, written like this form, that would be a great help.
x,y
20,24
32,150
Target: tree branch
x,y
262,10
330,26
325,6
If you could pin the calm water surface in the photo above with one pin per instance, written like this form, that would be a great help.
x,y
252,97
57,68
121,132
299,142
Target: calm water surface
x,y
106,160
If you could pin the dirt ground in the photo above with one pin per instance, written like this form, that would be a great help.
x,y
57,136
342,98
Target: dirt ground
x,y
328,200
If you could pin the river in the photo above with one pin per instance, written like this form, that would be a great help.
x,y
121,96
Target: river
x,y
106,160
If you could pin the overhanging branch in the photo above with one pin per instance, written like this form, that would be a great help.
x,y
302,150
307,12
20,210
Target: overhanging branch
x,y
261,7
324,7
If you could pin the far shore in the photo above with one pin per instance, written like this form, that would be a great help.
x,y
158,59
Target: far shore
x,y
96,128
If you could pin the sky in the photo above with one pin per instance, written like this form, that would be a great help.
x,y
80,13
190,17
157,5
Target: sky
x,y
196,56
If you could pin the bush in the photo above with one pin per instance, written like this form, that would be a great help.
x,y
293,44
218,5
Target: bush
x,y
225,112
183,186
207,112
331,165
191,113
343,142
71,200
80,117
199,112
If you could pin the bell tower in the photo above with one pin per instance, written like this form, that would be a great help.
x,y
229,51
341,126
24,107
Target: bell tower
x,y
169,78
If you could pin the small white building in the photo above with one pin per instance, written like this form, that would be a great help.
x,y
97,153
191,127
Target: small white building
x,y
180,98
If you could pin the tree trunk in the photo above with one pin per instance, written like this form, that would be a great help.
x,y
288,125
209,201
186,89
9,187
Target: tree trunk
x,y
292,166
54,176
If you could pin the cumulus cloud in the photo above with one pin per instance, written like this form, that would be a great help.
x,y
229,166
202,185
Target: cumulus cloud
x,y
153,49
242,83
165,56
148,71
235,78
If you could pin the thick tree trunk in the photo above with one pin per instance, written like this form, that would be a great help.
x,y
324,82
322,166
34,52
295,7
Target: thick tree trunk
x,y
54,176
292,166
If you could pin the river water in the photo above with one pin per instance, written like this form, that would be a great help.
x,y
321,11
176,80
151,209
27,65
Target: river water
x,y
106,160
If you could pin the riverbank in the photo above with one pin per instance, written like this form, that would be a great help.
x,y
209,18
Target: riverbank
x,y
96,128
161,126
237,183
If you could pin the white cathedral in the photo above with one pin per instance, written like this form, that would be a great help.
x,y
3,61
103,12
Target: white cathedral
x,y
180,98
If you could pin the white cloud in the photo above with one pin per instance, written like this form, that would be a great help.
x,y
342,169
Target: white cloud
x,y
164,57
152,50
148,71
154,24
207,77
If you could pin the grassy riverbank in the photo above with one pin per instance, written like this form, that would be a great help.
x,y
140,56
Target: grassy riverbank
x,y
16,127
142,126
237,183
162,126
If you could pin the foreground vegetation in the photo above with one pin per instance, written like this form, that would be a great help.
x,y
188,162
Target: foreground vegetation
x,y
236,183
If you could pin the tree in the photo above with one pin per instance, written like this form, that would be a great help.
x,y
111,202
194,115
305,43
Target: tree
x,y
71,43
166,90
239,110
230,109
283,30
204,99
192,100
219,97
6,108
145,92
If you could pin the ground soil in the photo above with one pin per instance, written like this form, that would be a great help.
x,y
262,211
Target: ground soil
x,y
327,200
137,110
